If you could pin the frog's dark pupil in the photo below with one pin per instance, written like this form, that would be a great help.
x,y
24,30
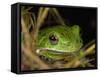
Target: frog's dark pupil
x,y
53,39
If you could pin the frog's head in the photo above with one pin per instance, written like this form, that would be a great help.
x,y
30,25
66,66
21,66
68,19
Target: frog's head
x,y
61,39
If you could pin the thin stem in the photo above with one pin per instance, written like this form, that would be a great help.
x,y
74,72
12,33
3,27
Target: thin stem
x,y
27,49
82,54
57,15
40,21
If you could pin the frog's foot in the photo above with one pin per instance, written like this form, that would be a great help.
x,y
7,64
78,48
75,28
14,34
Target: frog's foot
x,y
48,60
44,58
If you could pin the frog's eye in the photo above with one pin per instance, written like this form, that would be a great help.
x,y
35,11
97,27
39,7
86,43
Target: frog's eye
x,y
53,39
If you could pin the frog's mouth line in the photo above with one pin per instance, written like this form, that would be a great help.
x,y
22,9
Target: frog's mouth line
x,y
39,50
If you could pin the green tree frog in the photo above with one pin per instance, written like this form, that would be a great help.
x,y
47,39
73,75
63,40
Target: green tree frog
x,y
56,41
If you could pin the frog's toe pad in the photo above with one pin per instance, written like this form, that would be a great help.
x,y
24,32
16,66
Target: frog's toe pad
x,y
47,60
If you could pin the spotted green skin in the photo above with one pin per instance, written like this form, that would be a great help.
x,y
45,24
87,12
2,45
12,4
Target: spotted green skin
x,y
69,40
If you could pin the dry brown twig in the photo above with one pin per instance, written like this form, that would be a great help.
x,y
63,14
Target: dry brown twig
x,y
77,60
40,19
28,48
57,16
